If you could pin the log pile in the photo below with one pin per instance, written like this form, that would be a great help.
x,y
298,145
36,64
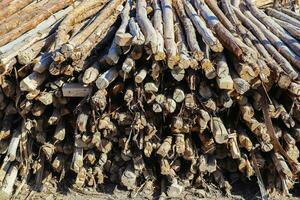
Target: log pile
x,y
164,94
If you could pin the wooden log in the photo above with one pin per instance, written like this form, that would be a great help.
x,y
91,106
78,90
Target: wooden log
x,y
32,81
8,56
225,37
293,30
284,17
25,57
141,75
146,26
75,90
178,74
244,140
91,74
52,7
77,160
270,48
13,146
290,13
12,8
277,30
189,30
27,13
138,37
178,95
224,79
219,131
169,33
280,46
221,16
122,38
185,61
202,29
157,21
105,79
128,64
7,187
82,44
76,16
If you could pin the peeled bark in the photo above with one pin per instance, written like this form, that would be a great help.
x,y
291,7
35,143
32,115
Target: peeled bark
x,y
146,26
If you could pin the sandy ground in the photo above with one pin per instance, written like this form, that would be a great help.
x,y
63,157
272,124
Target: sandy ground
x,y
54,191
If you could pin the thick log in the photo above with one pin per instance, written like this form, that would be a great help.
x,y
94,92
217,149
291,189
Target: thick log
x,y
32,81
25,57
75,90
169,33
105,79
157,21
122,38
146,26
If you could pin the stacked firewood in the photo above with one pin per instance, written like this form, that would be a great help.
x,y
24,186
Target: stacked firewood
x,y
164,94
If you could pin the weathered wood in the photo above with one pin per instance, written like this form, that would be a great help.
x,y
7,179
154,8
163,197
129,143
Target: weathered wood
x,y
280,46
75,90
270,48
52,7
293,30
146,26
32,81
79,14
284,17
202,29
169,33
189,30
105,79
219,131
123,38
157,21
12,8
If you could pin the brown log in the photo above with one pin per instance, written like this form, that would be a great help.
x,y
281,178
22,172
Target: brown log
x,y
12,8
270,48
52,7
280,46
77,15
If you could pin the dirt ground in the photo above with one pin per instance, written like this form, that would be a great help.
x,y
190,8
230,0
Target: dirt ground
x,y
54,191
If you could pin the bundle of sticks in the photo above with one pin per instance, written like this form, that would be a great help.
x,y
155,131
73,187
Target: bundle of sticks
x,y
164,94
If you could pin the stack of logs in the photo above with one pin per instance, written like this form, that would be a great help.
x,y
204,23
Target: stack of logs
x,y
164,94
